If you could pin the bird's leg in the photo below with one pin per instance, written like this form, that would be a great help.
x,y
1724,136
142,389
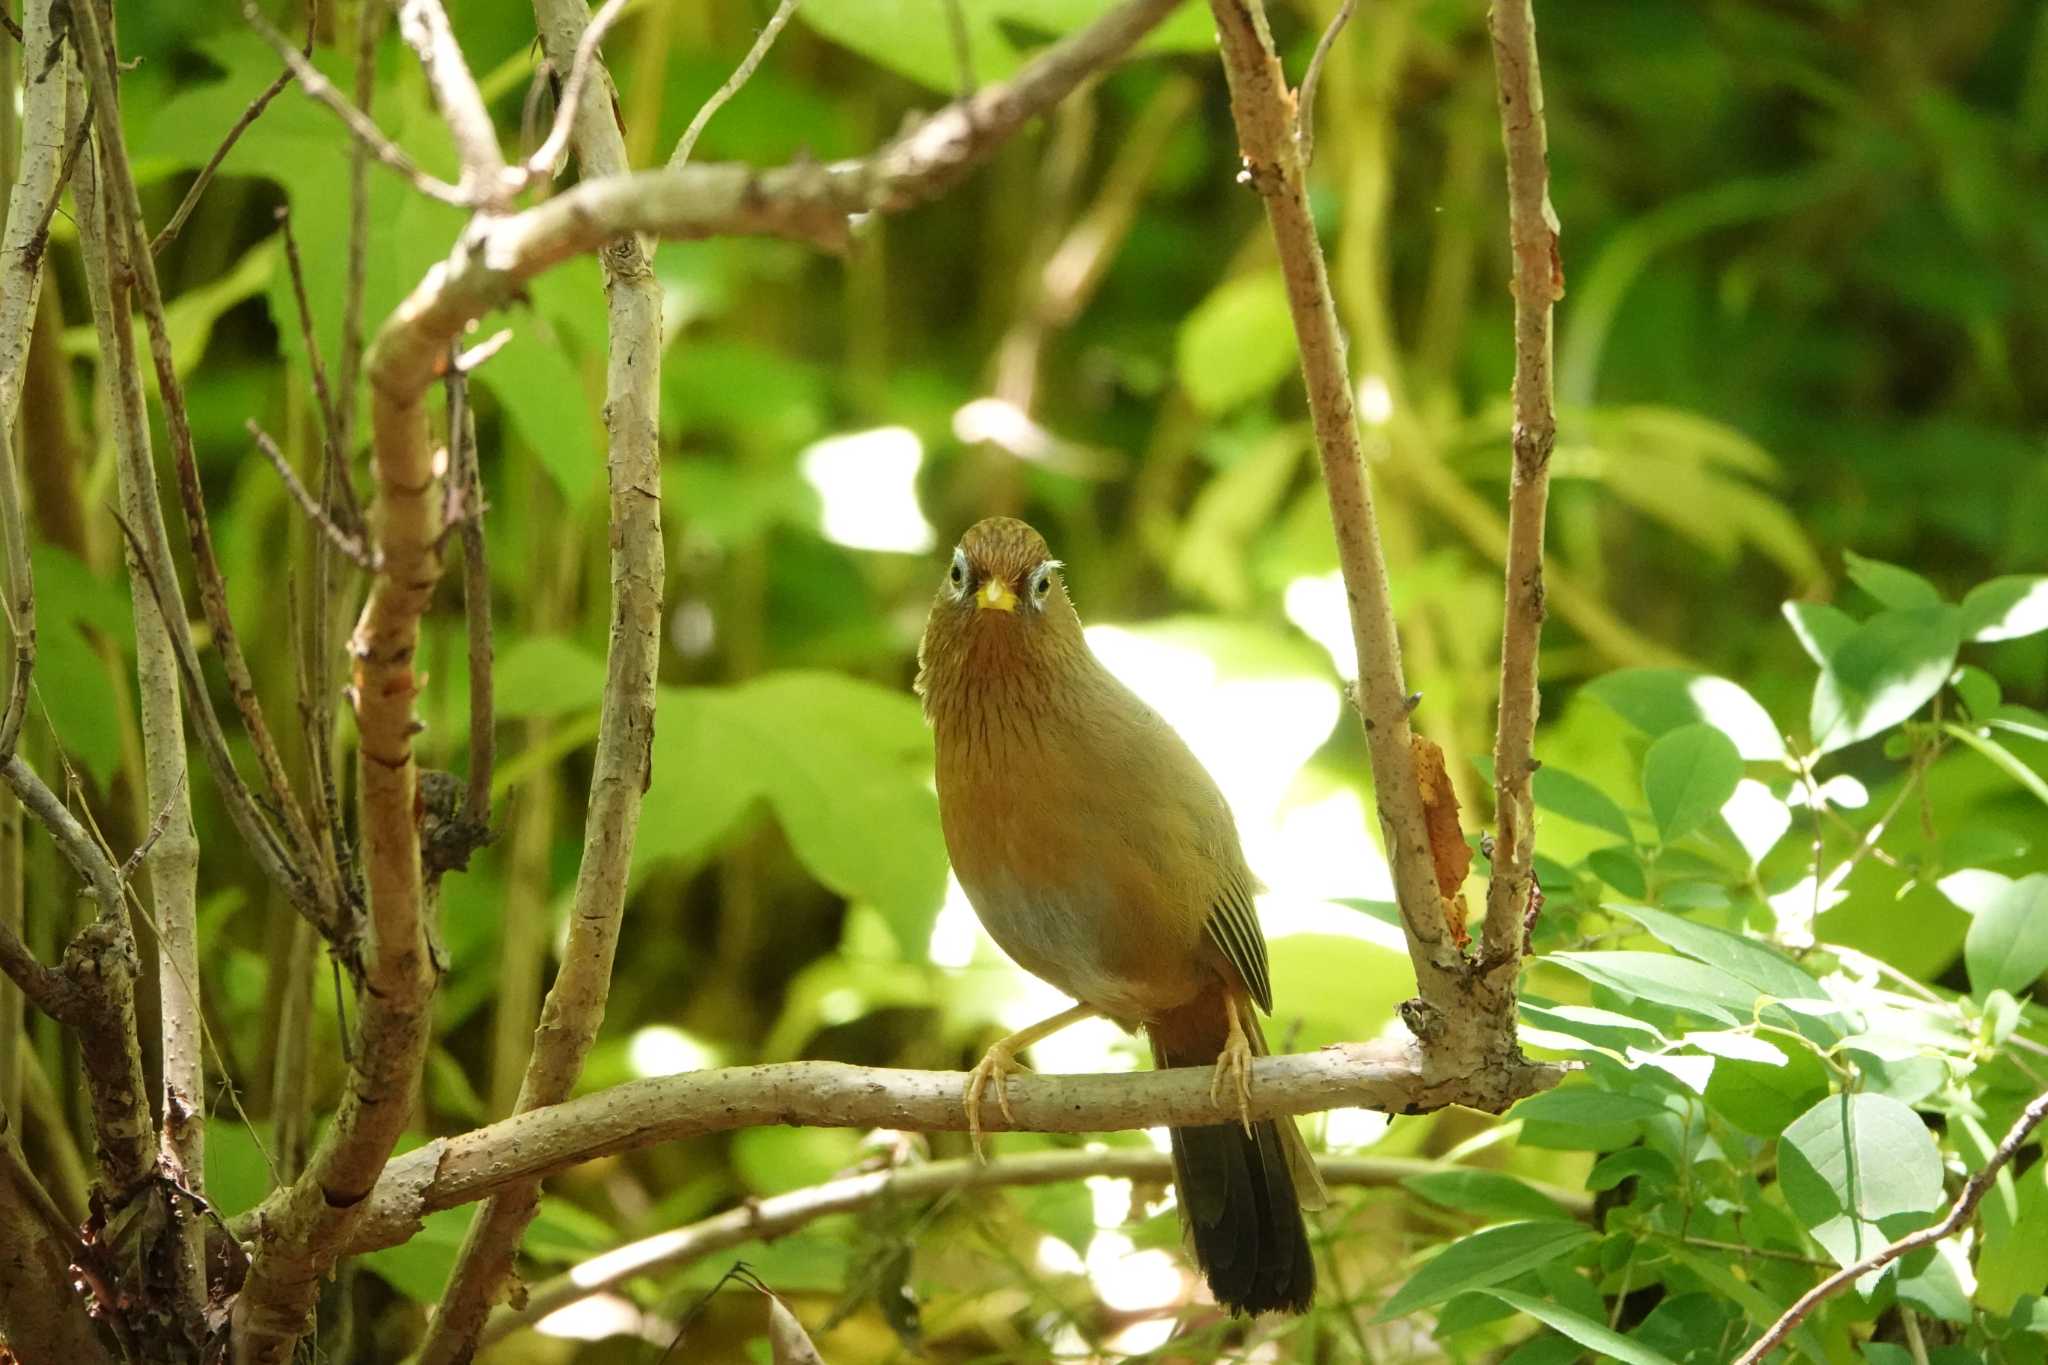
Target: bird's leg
x,y
1001,1059
1235,1063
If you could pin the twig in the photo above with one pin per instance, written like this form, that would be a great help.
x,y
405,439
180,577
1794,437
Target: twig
x,y
743,73
365,130
1538,282
127,244
466,474
32,202
349,366
249,116
963,46
1450,1020
1959,1213
779,1215
333,456
156,831
1307,115
13,29
449,1172
541,164
424,26
348,543
575,1003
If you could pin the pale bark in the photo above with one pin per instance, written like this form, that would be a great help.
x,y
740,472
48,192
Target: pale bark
x,y
1267,132
574,1008
449,1172
1538,282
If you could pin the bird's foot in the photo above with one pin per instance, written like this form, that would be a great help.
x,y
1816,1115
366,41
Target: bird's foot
x,y
991,1072
1234,1066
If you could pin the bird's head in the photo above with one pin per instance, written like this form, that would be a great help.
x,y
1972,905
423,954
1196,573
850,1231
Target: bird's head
x,y
1001,607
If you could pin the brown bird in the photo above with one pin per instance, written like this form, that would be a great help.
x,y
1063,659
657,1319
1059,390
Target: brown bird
x,y
1101,856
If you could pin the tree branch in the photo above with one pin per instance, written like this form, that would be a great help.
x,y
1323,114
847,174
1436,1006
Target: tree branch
x,y
575,1003
41,1316
1538,282
424,26
1265,114
1959,1213
781,1214
300,1231
449,1172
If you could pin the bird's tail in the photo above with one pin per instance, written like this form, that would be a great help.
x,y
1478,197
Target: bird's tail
x,y
1238,1189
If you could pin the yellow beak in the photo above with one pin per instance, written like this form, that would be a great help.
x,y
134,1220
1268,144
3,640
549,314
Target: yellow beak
x,y
996,595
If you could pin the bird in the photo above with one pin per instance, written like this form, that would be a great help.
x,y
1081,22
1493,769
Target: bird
x,y
1101,857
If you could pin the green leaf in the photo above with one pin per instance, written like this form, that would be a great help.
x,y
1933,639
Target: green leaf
x,y
1762,1098
1237,343
1887,669
84,710
1588,1106
1821,628
1490,1193
1632,1163
418,1268
546,675
1334,985
1666,980
2014,1259
536,379
2020,720
1742,959
1863,1155
1894,587
1593,1335
2006,609
1979,690
1487,1257
2007,944
1688,775
1561,793
237,1176
1658,700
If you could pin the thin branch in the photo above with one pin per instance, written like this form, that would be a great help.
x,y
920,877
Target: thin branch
x,y
41,1316
365,129
33,200
1264,112
541,164
575,1004
346,542
466,473
1959,1213
249,116
1315,74
743,73
449,1172
349,366
781,1214
424,26
333,455
1538,282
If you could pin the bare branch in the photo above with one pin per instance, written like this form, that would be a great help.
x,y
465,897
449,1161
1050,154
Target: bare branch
x,y
1307,115
365,129
541,164
466,470
348,543
781,1214
1264,112
453,1171
424,26
743,73
1539,281
575,1003
349,366
1959,1213
249,116
44,133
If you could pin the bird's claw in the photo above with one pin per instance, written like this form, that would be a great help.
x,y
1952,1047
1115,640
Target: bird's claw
x,y
992,1071
1234,1064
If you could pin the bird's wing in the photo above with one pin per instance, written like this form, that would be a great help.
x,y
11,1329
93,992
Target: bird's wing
x,y
1233,926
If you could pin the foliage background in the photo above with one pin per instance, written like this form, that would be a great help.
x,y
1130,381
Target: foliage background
x,y
1805,248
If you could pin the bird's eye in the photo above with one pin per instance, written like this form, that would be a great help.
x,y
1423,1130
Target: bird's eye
x,y
958,574
1041,582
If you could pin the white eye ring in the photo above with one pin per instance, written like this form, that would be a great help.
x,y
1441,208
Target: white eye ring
x,y
959,574
1041,582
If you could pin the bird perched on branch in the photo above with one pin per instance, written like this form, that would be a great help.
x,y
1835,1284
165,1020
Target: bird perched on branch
x,y
1101,856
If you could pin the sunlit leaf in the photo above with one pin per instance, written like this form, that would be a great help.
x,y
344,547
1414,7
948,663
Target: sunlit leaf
x,y
1892,586
2006,609
1821,628
1667,980
1688,774
1887,669
2007,945
1867,1156
1575,798
1594,1335
1656,700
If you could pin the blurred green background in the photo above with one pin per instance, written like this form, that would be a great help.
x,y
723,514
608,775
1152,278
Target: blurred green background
x,y
1805,248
